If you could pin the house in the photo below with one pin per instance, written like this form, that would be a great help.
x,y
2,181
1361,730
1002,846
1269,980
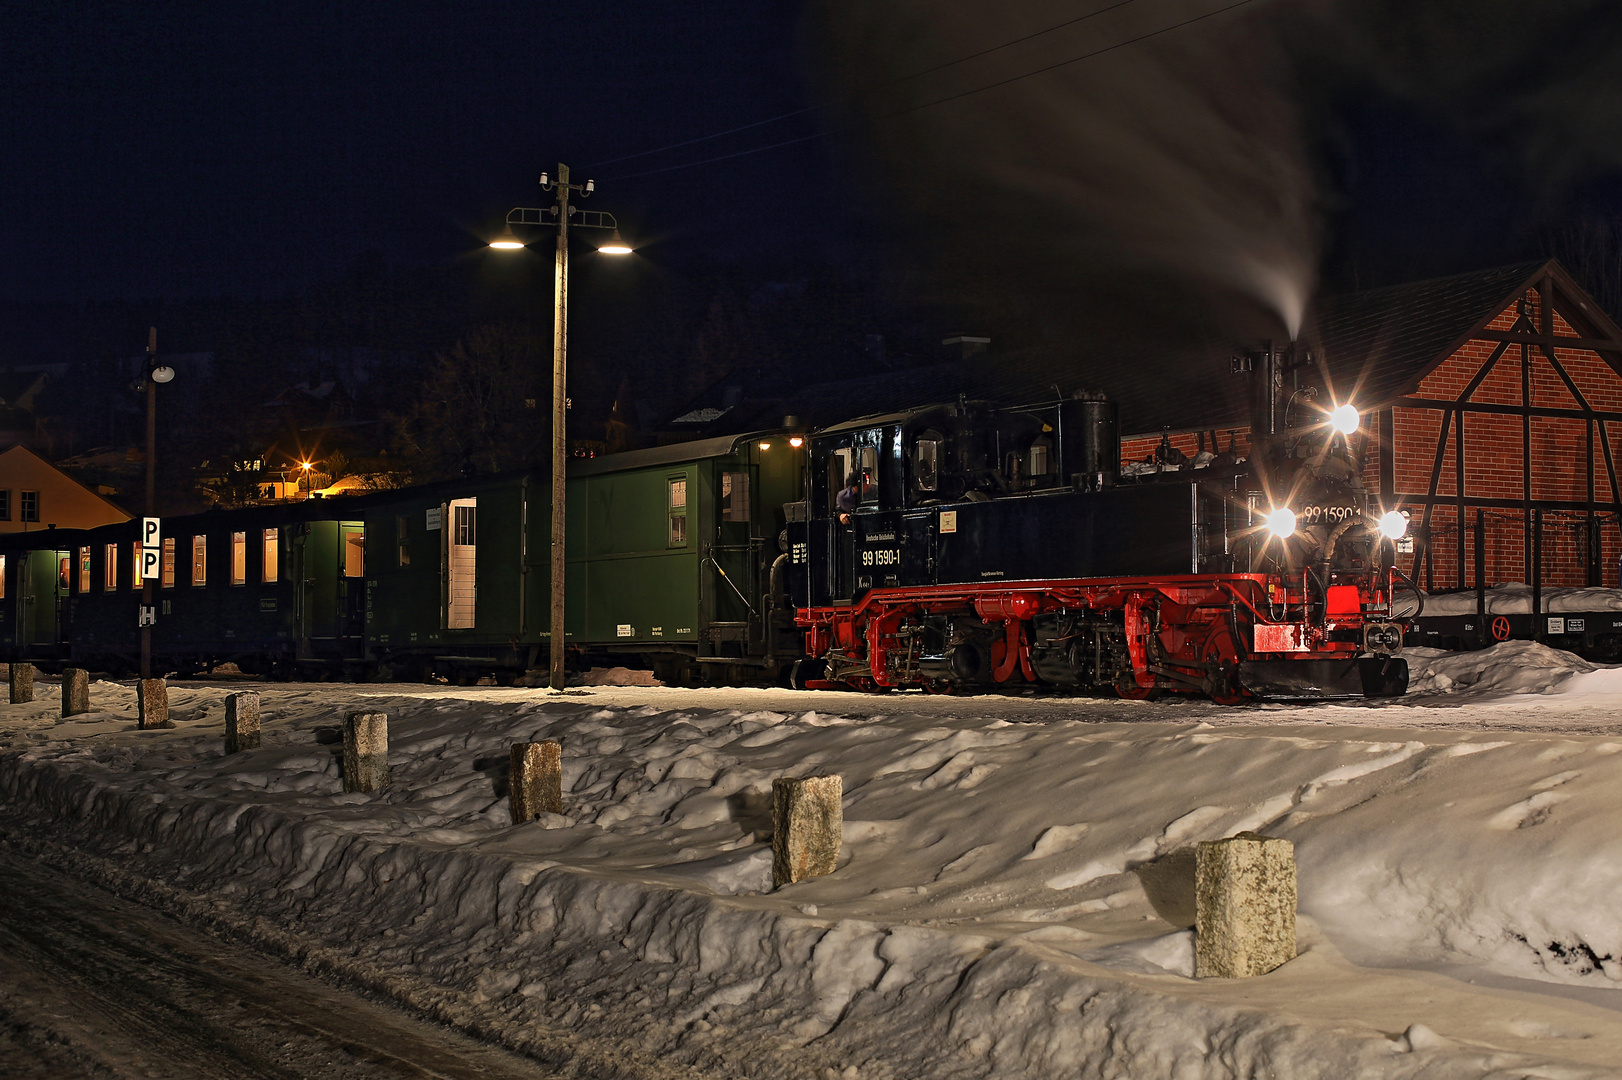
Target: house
x,y
34,494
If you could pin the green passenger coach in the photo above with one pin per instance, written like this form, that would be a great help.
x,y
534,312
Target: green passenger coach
x,y
670,561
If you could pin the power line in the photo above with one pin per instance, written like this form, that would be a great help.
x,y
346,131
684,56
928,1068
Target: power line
x,y
937,101
880,86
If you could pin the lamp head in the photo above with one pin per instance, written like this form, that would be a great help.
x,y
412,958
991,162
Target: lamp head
x,y
615,245
507,241
163,373
1344,419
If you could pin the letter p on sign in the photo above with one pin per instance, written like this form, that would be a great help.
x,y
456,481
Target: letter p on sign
x,y
149,532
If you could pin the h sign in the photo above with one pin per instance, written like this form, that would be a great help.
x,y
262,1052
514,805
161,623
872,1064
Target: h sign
x,y
150,557
149,532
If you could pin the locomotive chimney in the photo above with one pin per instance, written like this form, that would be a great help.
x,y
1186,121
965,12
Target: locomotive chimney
x,y
1089,442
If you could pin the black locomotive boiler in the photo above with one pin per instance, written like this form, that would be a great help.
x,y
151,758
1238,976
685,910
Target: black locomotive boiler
x,y
999,548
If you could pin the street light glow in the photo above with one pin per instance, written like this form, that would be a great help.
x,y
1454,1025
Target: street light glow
x,y
305,465
796,442
615,245
507,241
1344,419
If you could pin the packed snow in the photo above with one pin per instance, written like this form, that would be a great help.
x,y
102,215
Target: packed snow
x,y
1515,598
1014,896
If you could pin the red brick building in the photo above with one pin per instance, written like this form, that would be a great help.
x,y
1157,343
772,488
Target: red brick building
x,y
1491,398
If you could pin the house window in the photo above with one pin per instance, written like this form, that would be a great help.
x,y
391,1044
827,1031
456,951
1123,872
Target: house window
x,y
5,504
239,558
734,496
167,580
109,570
199,560
270,556
678,512
84,569
29,505
402,541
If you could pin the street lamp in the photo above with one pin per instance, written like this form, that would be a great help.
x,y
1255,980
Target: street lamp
x,y
304,476
560,215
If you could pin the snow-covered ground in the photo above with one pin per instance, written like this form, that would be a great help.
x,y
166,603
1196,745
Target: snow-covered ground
x,y
1013,900
1515,598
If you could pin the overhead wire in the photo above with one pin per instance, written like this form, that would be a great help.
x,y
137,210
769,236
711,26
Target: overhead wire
x,y
881,86
937,101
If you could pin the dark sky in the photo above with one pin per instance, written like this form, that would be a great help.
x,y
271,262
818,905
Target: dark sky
x,y
176,149
191,150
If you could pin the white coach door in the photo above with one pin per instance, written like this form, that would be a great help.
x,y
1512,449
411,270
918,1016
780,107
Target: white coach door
x,y
463,537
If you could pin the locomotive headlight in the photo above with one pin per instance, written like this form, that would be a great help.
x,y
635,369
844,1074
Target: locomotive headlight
x,y
1393,525
1281,522
1344,419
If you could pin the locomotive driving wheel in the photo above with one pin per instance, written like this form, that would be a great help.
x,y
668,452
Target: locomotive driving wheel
x,y
1222,667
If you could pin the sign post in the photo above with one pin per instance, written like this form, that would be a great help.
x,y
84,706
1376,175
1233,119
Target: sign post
x,y
149,569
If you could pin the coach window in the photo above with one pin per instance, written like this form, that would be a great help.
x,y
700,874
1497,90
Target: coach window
x,y
168,571
5,504
354,552
2,577
402,541
239,558
135,565
199,560
29,505
269,546
734,496
84,570
109,576
677,499
64,571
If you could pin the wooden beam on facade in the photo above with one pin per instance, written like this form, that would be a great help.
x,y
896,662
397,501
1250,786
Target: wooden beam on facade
x,y
1490,407
1555,340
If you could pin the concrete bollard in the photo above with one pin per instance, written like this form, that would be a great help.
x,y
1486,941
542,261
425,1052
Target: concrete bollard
x,y
535,780
808,825
241,722
366,751
151,703
75,691
1244,906
22,682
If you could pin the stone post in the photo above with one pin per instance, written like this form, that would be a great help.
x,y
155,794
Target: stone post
x,y
535,780
75,691
22,682
1244,906
366,751
151,703
808,825
241,722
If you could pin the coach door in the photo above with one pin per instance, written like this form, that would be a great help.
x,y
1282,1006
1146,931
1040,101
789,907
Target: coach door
x,y
461,563
41,581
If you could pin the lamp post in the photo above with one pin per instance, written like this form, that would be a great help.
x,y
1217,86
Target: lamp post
x,y
559,214
155,373
304,476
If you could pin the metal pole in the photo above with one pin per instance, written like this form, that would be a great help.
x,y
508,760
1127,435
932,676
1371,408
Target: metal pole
x,y
560,437
151,486
1483,639
1538,625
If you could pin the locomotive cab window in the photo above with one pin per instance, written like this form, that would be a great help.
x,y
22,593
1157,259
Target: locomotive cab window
x,y
734,496
926,462
676,495
839,467
1037,462
199,561
870,475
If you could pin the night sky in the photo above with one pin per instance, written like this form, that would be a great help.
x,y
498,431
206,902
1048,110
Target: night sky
x,y
176,151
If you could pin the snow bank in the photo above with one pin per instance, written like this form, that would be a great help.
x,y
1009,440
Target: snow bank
x,y
1013,900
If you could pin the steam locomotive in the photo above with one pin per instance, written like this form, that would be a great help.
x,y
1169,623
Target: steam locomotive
x,y
1002,548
